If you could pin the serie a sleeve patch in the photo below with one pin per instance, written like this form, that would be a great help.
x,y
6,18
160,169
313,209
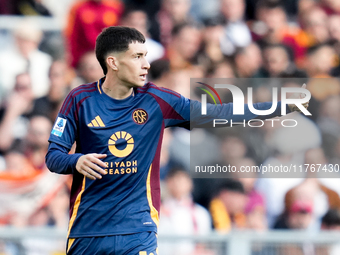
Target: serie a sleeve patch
x,y
59,127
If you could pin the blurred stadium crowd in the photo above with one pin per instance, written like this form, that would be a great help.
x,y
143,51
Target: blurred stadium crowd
x,y
291,41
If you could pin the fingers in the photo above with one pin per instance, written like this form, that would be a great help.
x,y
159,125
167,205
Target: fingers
x,y
96,167
89,173
296,109
302,95
97,160
91,166
99,155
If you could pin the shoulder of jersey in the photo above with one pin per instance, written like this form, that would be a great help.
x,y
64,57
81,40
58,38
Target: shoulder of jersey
x,y
84,90
151,88
78,95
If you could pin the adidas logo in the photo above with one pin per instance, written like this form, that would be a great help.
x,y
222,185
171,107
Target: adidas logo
x,y
96,122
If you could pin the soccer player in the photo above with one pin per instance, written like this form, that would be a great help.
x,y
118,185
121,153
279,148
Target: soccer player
x,y
117,124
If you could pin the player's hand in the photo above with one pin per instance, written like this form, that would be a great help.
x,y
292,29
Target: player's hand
x,y
293,107
91,166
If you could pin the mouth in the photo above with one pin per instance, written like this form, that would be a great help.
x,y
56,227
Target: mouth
x,y
143,76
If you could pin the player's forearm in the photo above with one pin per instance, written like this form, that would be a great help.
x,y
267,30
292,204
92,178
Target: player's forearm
x,y
59,161
263,106
226,111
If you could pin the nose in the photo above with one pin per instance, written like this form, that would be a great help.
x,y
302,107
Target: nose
x,y
146,64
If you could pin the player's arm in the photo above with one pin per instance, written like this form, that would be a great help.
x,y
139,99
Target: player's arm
x,y
225,111
63,135
59,161
183,112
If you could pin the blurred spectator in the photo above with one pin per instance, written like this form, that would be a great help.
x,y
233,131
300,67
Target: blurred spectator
x,y
227,207
165,159
299,207
26,184
151,7
138,19
7,7
232,149
334,152
88,70
171,14
184,46
299,216
180,79
59,10
159,72
180,215
223,69
318,195
248,61
202,10
331,6
272,23
290,6
86,20
17,166
331,220
320,61
24,56
210,52
314,21
24,7
288,146
277,62
329,121
304,205
185,145
255,209
36,143
49,105
32,8
334,31
227,151
14,116
329,186
272,27
236,31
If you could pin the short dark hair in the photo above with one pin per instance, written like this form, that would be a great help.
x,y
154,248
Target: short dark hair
x,y
115,39
331,218
231,185
270,4
313,49
177,29
158,68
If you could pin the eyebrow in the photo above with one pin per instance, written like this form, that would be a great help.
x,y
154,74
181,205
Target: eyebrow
x,y
140,54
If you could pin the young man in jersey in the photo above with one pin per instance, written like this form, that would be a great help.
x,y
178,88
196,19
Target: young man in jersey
x,y
117,124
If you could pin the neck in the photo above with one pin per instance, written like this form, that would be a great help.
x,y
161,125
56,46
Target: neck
x,y
115,89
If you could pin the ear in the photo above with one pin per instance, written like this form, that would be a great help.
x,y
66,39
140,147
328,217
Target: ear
x,y
112,62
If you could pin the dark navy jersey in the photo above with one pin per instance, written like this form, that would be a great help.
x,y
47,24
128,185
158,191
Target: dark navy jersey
x,y
129,131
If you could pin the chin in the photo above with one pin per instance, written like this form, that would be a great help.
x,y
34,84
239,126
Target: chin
x,y
141,84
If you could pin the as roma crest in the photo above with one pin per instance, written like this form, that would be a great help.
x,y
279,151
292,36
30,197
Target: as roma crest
x,y
140,116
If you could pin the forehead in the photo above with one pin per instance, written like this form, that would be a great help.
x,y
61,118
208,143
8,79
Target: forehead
x,y
136,47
